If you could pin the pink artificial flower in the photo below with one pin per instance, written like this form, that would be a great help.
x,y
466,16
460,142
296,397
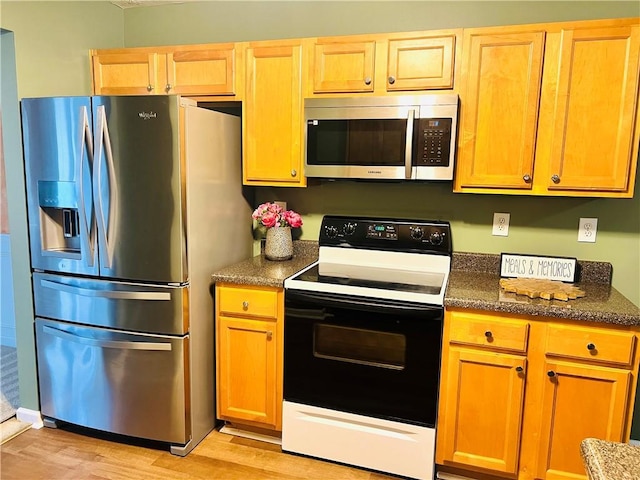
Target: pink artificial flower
x,y
293,219
269,219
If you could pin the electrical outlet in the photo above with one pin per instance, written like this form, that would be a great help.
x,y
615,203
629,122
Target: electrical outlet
x,y
587,230
501,224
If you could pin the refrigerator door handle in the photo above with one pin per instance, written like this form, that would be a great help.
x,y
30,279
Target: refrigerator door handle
x,y
120,345
106,228
87,233
111,294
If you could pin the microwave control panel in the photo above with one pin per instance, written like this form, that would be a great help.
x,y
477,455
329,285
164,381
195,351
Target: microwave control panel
x,y
433,139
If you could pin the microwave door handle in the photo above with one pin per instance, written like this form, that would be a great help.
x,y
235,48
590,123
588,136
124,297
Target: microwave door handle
x,y
408,145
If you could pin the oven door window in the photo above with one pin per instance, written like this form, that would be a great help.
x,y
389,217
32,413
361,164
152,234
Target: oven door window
x,y
361,346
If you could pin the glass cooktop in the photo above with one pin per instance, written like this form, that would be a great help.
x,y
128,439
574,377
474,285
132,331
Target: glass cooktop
x,y
372,277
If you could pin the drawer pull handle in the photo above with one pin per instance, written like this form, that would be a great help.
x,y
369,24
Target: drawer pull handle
x,y
245,305
591,347
519,369
551,374
488,334
367,80
269,334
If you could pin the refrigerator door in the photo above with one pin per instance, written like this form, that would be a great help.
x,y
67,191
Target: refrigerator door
x,y
119,305
131,384
58,156
137,188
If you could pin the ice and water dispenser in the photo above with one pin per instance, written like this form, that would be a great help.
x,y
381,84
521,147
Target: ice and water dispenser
x,y
59,218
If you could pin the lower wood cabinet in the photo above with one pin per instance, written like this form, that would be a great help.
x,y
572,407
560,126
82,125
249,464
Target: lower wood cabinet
x,y
518,394
249,348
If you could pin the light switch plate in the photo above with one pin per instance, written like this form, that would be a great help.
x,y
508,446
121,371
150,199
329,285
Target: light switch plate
x,y
587,230
501,224
282,204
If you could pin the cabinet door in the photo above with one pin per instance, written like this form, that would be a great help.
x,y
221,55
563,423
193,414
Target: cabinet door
x,y
128,74
483,411
420,63
502,77
273,115
247,370
595,109
579,401
343,66
207,71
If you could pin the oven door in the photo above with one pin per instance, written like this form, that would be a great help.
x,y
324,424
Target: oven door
x,y
372,357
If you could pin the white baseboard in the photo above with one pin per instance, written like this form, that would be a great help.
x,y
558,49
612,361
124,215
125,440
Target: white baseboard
x,y
634,442
30,416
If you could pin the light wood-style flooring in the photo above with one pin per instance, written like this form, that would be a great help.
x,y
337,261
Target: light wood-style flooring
x,y
63,454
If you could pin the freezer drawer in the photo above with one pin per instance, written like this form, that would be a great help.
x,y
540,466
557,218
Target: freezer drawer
x,y
130,384
120,305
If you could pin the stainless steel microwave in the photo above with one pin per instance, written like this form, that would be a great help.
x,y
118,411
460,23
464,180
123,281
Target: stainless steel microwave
x,y
392,138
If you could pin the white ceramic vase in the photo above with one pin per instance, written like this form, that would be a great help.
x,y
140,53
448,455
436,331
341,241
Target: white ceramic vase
x,y
279,245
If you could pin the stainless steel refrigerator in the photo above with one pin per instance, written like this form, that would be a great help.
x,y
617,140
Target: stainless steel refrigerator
x,y
133,202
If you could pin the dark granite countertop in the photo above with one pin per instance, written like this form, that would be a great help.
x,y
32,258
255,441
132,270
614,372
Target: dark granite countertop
x,y
266,273
610,460
474,283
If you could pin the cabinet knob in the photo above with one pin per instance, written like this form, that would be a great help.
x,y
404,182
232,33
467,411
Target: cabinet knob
x,y
245,305
168,87
488,334
294,172
551,374
149,88
519,369
269,335
526,178
591,346
555,178
392,80
367,80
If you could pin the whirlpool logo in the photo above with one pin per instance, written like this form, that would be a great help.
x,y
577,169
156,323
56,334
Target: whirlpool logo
x,y
147,115
374,172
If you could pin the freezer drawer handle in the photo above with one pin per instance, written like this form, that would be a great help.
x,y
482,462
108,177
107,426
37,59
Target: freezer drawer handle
x,y
106,343
88,292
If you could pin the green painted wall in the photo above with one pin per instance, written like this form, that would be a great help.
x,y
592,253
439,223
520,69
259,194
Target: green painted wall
x,y
53,41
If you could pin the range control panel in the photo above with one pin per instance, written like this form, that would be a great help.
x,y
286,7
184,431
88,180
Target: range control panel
x,y
428,236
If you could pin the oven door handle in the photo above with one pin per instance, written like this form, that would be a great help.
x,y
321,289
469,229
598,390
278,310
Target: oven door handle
x,y
362,303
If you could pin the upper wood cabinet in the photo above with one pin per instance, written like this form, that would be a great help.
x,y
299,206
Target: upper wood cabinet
x,y
381,64
550,109
515,392
272,114
126,72
341,64
181,70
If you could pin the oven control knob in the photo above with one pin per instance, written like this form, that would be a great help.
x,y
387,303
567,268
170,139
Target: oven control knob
x,y
436,238
349,228
416,233
331,231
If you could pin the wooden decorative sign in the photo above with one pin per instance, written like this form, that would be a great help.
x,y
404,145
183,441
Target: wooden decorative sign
x,y
529,266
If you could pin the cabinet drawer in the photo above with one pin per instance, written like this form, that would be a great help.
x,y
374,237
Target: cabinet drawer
x,y
495,334
591,344
248,301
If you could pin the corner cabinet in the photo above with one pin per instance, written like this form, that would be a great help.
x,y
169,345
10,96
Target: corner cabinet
x,y
273,114
249,352
542,115
180,70
519,394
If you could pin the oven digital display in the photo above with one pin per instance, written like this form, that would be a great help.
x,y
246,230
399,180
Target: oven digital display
x,y
383,231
